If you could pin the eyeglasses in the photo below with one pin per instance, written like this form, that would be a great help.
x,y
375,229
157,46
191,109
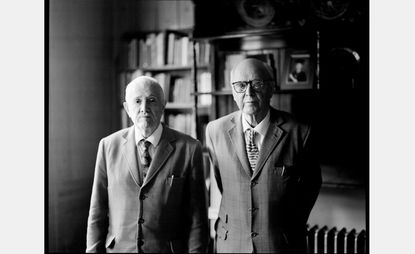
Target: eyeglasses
x,y
256,84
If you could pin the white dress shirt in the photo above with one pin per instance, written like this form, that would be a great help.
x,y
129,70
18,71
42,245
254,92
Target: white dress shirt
x,y
261,129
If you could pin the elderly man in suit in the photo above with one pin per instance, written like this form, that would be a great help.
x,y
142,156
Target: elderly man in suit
x,y
148,193
264,168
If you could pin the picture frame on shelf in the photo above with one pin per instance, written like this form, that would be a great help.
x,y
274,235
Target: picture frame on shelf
x,y
298,71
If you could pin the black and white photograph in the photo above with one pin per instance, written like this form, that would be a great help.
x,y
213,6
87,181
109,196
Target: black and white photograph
x,y
298,72
194,126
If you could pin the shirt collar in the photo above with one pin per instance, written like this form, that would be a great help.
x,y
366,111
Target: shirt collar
x,y
154,138
261,128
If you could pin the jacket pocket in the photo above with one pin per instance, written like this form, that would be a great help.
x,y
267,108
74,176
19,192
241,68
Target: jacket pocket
x,y
175,180
286,172
222,233
110,242
221,229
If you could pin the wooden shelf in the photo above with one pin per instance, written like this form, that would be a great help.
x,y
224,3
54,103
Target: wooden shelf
x,y
164,68
225,92
137,34
179,106
278,31
159,68
167,68
203,109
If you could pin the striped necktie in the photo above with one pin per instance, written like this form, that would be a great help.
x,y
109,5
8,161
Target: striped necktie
x,y
145,154
251,148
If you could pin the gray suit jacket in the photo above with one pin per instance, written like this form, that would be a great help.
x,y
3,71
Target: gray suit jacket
x,y
170,206
267,210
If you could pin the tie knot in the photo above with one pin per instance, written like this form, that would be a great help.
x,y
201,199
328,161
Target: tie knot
x,y
251,134
145,144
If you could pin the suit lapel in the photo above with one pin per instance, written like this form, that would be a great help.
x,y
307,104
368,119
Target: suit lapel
x,y
129,151
162,153
237,138
271,140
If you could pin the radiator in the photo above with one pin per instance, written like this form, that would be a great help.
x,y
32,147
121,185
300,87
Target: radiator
x,y
332,241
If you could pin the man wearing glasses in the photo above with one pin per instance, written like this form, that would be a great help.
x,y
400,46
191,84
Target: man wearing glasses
x,y
265,169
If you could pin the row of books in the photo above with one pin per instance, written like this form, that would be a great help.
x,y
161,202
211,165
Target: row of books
x,y
182,122
179,50
176,89
181,89
165,48
202,50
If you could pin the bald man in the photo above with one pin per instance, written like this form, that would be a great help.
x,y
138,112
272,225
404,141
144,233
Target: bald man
x,y
148,193
264,168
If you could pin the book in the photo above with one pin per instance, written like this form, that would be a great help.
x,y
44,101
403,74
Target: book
x,y
160,49
164,80
180,90
206,57
142,55
184,41
182,122
170,48
205,86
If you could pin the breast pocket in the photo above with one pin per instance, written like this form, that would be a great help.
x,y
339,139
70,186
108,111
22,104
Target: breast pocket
x,y
221,229
174,181
283,179
174,191
286,172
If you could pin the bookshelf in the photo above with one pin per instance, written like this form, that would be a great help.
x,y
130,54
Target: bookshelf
x,y
169,57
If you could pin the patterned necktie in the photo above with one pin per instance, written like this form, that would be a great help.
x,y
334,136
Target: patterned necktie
x,y
251,148
145,155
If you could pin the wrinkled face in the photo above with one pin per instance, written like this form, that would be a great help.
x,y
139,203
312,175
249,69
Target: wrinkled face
x,y
145,104
252,101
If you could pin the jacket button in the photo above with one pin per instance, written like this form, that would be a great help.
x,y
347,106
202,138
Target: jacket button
x,y
141,221
143,196
254,183
254,234
253,209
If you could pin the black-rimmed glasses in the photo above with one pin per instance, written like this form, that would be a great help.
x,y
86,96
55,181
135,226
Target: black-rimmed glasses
x,y
256,84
